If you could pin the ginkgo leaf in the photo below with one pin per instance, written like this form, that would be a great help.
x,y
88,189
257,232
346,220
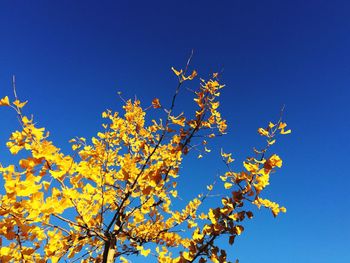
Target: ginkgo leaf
x,y
271,142
215,105
197,235
223,178
177,73
225,155
180,120
25,120
5,101
228,185
282,125
273,161
173,193
239,229
286,132
19,104
193,75
186,255
263,132
156,103
210,187
143,252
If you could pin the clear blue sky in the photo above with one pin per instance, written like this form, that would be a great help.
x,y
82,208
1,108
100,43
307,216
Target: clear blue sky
x,y
71,57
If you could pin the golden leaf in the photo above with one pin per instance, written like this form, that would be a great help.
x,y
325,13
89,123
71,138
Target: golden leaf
x,y
263,132
5,101
177,73
286,132
210,187
227,185
19,104
282,125
193,75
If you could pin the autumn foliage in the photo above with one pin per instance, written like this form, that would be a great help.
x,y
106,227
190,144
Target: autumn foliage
x,y
112,197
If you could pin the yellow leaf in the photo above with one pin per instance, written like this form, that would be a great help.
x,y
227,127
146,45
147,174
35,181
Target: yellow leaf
x,y
19,104
271,142
215,105
123,260
282,125
143,252
239,230
75,146
229,160
174,193
207,150
25,120
285,132
5,101
197,235
283,209
275,208
263,132
234,217
225,155
271,125
177,73
227,185
193,75
211,217
210,187
178,120
273,161
223,178
251,167
187,256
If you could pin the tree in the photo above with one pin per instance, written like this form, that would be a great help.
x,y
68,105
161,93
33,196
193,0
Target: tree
x,y
112,197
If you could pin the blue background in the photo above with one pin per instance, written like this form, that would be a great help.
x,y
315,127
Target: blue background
x,y
71,58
